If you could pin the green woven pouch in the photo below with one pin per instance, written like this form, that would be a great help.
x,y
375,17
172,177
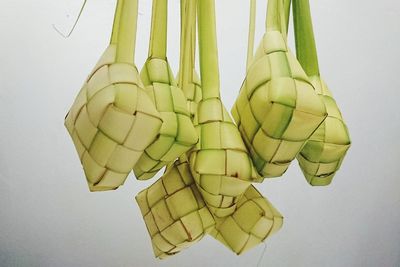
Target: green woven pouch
x,y
174,211
220,163
176,190
277,109
323,154
177,133
113,120
254,218
253,221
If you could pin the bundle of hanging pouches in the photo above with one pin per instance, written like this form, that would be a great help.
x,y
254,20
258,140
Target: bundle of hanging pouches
x,y
123,120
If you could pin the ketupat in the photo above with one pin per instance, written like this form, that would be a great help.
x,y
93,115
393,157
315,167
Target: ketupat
x,y
177,133
255,218
174,211
253,221
178,174
113,120
323,154
220,163
277,109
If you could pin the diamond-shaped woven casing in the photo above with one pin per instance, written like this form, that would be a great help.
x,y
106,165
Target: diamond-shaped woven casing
x,y
174,211
254,220
177,134
220,163
277,109
111,122
323,154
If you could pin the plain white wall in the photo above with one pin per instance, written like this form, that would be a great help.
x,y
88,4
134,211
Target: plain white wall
x,y
47,215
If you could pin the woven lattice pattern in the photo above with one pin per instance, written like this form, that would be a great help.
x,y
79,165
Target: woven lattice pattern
x,y
277,109
254,220
323,154
177,133
192,92
220,163
111,122
174,211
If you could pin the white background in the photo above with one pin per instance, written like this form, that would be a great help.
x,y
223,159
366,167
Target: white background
x,y
49,218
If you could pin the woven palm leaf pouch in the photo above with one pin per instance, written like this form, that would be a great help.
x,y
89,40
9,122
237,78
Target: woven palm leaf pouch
x,y
177,133
324,152
219,162
255,218
113,120
277,109
173,209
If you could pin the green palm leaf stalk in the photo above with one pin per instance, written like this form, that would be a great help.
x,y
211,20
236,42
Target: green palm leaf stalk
x,y
188,78
277,109
252,29
220,163
177,133
113,120
323,154
255,217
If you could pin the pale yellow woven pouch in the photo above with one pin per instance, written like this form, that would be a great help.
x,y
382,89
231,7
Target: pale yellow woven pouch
x,y
174,211
177,134
180,205
323,154
113,120
277,109
220,163
255,218
253,221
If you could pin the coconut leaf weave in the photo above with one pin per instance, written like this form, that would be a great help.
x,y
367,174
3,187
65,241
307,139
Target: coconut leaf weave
x,y
252,222
174,211
220,163
177,134
178,175
192,91
323,154
277,109
113,120
254,218
122,120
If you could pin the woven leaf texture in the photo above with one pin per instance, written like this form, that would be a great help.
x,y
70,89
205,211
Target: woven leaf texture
x,y
323,154
174,211
178,173
177,133
113,120
277,109
252,222
254,218
220,163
